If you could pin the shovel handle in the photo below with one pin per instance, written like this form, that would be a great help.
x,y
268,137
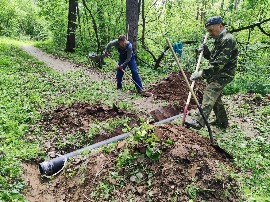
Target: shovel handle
x,y
192,92
183,73
116,64
193,82
197,68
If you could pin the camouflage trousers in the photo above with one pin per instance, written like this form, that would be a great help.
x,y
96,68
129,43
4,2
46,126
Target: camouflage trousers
x,y
212,101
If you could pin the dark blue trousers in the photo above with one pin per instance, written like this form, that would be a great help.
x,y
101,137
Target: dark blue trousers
x,y
134,71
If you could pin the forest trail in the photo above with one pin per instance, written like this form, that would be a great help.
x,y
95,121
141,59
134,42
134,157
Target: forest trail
x,y
143,104
54,63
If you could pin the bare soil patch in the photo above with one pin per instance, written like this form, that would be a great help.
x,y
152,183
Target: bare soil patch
x,y
66,128
188,168
173,89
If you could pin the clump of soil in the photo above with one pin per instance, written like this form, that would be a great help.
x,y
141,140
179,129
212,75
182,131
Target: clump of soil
x,y
174,89
164,112
188,168
67,128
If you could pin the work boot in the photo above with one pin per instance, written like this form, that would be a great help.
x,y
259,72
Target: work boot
x,y
222,125
193,124
139,91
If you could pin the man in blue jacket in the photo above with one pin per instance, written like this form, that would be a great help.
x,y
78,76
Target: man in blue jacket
x,y
126,58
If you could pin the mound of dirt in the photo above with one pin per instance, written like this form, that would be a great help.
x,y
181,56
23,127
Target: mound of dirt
x,y
69,126
188,168
173,89
182,166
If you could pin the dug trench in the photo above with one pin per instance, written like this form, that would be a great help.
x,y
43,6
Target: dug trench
x,y
187,166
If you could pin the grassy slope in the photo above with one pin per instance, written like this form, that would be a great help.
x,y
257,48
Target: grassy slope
x,y
249,143
27,86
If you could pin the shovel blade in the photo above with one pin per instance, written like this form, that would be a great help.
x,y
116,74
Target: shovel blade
x,y
222,151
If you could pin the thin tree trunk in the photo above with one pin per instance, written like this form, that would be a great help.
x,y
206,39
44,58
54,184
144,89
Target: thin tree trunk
x,y
236,3
71,40
94,27
222,4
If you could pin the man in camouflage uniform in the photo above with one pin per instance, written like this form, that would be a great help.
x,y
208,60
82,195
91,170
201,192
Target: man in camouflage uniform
x,y
221,70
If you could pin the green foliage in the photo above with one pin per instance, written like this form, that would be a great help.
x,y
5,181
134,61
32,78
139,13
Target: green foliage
x,y
144,136
125,158
177,20
250,147
27,85
28,88
19,18
110,19
252,73
192,191
103,191
55,13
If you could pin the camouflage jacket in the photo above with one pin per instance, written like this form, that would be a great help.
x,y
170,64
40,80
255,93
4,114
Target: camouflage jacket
x,y
222,59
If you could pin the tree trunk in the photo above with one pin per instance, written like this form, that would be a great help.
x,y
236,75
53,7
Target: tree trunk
x,y
132,17
95,27
236,3
70,44
222,4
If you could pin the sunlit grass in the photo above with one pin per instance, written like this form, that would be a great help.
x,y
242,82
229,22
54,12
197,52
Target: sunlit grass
x,y
28,88
250,148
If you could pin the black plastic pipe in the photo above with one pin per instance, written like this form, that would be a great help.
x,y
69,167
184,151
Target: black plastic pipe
x,y
53,166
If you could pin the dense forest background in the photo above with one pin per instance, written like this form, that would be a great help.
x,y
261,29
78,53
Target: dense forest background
x,y
87,26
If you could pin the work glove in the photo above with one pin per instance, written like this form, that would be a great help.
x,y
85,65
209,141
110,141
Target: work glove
x,y
205,50
200,49
105,54
196,75
120,67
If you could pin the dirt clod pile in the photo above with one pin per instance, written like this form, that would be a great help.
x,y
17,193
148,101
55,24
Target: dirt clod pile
x,y
70,125
180,165
188,168
174,89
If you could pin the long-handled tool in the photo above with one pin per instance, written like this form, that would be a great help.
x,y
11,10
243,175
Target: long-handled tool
x,y
213,144
125,74
193,83
147,94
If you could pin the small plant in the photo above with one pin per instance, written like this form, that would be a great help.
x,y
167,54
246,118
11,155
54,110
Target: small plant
x,y
125,158
192,191
153,152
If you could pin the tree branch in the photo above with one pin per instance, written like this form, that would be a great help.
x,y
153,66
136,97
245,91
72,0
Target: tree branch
x,y
262,30
257,24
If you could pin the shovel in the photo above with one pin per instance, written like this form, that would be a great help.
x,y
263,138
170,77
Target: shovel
x,y
213,144
147,94
193,83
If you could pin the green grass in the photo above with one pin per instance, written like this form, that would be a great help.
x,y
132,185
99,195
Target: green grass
x,y
251,151
28,88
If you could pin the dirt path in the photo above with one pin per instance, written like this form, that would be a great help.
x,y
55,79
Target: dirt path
x,y
56,64
143,104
